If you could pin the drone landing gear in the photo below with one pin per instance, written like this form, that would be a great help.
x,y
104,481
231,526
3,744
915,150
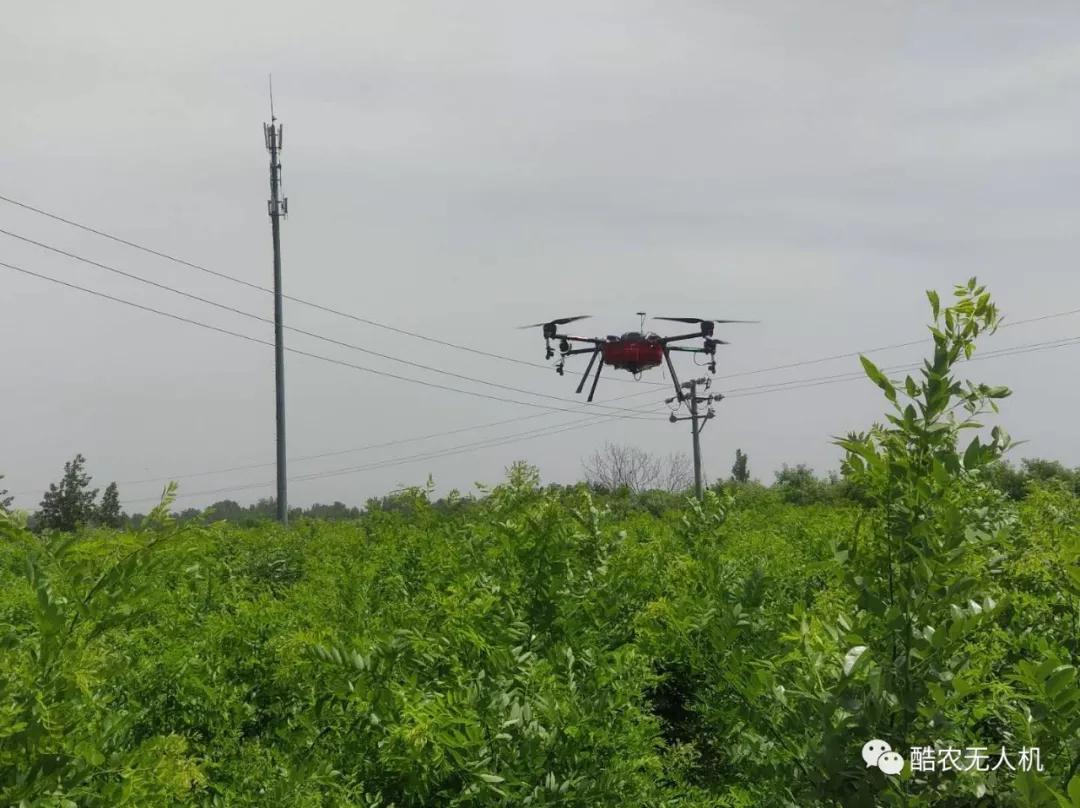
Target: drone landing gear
x,y
596,378
588,370
674,376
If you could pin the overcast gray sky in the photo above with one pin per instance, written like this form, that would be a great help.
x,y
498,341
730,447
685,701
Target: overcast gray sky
x,y
461,170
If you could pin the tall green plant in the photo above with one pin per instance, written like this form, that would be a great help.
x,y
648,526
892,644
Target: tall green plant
x,y
898,660
923,574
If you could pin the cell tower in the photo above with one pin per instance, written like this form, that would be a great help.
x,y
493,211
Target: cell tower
x,y
277,208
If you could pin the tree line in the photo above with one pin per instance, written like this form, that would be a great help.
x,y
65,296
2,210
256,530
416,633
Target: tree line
x,y
71,503
615,470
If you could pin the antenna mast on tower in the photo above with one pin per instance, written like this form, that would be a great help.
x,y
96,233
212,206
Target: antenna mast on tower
x,y
277,208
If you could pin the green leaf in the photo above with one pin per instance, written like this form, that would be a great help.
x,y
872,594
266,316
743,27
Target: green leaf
x,y
879,378
973,453
935,302
1059,679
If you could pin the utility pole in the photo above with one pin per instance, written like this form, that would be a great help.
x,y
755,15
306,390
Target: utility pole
x,y
277,208
696,434
697,422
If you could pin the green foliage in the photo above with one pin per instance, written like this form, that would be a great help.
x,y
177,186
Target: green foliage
x,y
798,485
108,512
540,647
925,648
5,500
69,505
740,472
1017,482
533,648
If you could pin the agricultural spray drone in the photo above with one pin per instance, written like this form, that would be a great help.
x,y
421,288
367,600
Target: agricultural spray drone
x,y
634,351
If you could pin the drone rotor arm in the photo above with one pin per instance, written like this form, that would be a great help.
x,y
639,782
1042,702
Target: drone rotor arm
x,y
681,337
706,349
702,320
572,338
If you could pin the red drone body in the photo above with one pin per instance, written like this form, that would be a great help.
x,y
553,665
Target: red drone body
x,y
634,351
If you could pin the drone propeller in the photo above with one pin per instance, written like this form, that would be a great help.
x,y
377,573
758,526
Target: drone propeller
x,y
700,320
560,321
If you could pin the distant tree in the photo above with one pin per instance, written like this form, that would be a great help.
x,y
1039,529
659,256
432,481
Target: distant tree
x,y
337,512
108,512
263,510
1041,471
799,485
616,467
677,473
71,503
188,514
739,472
226,510
1015,482
1008,479
5,499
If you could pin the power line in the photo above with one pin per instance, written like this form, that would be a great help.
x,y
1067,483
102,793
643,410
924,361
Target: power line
x,y
909,344
450,451
593,421
365,448
801,384
735,392
405,332
297,351
755,390
588,421
260,318
257,287
739,392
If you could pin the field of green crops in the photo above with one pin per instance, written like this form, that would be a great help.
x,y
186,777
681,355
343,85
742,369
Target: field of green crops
x,y
533,649
543,647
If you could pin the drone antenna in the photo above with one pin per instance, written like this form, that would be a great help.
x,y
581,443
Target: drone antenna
x,y
641,314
